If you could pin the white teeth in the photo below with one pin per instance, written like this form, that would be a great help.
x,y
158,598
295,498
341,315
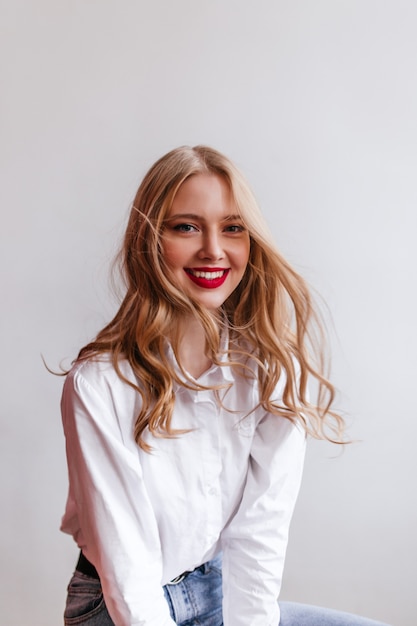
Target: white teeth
x,y
208,275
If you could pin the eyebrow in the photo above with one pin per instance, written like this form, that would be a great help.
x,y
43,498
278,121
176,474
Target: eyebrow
x,y
194,216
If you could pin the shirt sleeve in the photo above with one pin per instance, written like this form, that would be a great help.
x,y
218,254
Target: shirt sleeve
x,y
255,540
117,529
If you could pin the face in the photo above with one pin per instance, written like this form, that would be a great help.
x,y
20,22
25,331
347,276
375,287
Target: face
x,y
205,243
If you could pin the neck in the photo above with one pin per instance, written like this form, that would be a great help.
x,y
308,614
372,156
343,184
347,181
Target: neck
x,y
192,347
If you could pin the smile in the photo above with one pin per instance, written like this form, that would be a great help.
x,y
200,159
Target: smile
x,y
206,277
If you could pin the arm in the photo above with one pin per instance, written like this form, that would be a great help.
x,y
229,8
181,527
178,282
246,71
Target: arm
x,y
117,528
255,541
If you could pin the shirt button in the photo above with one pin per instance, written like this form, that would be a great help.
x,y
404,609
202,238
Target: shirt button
x,y
212,491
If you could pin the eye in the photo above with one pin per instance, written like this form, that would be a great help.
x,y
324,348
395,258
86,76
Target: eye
x,y
184,228
235,228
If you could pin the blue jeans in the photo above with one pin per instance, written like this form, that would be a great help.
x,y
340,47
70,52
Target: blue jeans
x,y
196,600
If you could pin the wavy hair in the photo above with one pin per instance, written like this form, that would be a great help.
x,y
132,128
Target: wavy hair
x,y
270,316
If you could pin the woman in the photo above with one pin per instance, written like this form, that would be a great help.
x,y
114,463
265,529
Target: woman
x,y
186,418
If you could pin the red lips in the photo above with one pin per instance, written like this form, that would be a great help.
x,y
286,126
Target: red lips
x,y
204,281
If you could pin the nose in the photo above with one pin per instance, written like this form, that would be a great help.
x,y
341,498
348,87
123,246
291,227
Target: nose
x,y
211,247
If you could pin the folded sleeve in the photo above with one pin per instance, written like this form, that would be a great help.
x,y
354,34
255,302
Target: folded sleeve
x,y
255,540
108,507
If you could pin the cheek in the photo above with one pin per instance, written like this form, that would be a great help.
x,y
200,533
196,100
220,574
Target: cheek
x,y
172,254
243,254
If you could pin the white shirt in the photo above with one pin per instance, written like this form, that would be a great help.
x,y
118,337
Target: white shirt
x,y
142,519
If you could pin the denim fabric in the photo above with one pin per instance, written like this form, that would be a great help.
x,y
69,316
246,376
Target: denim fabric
x,y
85,602
198,598
195,601
294,614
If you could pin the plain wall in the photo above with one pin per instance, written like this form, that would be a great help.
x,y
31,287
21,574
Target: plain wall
x,y
316,102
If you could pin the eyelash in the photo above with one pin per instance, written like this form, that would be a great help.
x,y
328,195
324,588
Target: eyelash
x,y
238,228
185,228
188,228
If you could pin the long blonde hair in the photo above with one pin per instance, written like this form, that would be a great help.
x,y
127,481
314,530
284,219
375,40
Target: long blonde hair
x,y
270,316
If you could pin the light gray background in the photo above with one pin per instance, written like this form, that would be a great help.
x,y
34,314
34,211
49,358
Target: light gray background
x,y
316,102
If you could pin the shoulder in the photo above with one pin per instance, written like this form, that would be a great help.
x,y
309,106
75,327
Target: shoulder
x,y
98,375
95,394
101,367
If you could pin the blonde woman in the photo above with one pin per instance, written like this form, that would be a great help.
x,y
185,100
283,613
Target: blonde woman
x,y
186,418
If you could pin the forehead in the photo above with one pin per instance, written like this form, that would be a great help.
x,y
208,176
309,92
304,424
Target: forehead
x,y
205,193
